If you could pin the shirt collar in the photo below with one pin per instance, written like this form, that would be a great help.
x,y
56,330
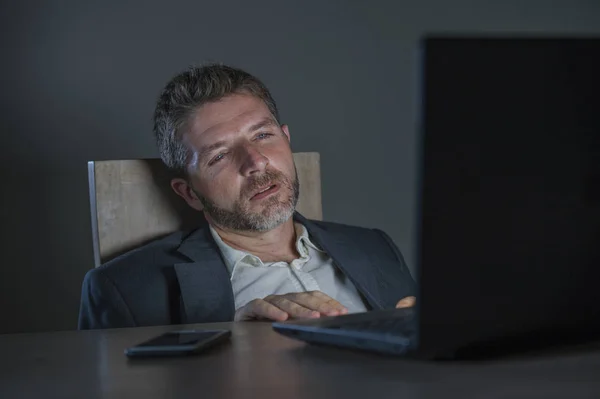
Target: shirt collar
x,y
233,256
303,240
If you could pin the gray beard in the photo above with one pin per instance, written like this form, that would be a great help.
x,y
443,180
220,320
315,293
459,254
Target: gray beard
x,y
275,212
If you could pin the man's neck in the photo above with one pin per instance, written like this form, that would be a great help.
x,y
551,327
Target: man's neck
x,y
276,245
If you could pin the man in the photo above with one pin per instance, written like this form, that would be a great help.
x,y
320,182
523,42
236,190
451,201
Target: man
x,y
218,130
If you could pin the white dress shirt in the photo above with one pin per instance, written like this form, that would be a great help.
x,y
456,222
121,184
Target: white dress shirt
x,y
314,270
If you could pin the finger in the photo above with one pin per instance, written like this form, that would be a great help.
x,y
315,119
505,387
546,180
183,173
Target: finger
x,y
337,306
316,300
407,302
291,308
260,309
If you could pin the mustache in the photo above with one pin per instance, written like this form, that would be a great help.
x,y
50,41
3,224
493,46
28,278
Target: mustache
x,y
256,182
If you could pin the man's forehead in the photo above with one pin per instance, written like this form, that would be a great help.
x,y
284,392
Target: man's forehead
x,y
230,115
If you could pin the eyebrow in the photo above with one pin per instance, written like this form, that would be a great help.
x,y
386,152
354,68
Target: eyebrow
x,y
259,125
264,123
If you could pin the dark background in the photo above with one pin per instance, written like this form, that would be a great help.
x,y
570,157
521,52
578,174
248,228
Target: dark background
x,y
79,80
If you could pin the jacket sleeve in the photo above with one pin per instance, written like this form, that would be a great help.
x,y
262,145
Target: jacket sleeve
x,y
410,287
102,305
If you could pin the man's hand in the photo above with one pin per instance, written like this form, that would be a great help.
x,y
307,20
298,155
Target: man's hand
x,y
311,304
407,302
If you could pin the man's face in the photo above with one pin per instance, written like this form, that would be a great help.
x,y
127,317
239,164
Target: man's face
x,y
242,170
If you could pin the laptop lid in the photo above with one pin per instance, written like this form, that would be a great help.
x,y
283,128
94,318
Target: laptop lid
x,y
509,227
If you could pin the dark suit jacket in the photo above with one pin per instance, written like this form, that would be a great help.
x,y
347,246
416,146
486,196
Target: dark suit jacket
x,y
182,278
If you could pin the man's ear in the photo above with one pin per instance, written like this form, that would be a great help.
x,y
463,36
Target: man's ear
x,y
185,191
286,131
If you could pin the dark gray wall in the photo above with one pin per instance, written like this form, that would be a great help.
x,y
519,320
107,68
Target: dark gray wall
x,y
79,80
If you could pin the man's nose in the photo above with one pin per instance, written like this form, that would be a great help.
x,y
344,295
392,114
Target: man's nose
x,y
253,161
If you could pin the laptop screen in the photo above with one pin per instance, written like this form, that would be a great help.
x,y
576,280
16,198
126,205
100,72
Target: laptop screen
x,y
509,227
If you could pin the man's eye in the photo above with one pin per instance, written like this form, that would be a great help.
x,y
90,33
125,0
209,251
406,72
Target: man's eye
x,y
216,159
262,136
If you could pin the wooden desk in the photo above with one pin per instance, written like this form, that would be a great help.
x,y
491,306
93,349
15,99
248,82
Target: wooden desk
x,y
260,363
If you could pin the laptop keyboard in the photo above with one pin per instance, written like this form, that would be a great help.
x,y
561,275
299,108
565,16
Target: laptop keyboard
x,y
398,326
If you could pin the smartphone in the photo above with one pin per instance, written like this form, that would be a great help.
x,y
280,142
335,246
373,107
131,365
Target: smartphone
x,y
179,343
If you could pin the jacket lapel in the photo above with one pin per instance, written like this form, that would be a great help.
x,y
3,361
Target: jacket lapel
x,y
205,285
352,261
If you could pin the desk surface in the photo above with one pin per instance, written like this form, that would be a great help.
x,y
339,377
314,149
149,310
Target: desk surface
x,y
258,361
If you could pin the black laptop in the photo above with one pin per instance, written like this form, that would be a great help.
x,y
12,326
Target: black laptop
x,y
509,205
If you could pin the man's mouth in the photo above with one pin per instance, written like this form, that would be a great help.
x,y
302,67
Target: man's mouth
x,y
265,192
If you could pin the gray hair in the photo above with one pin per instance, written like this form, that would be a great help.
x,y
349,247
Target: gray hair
x,y
189,90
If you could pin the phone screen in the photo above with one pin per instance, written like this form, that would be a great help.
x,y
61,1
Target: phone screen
x,y
175,343
180,338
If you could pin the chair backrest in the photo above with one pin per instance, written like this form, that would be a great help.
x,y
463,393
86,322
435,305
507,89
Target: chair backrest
x,y
132,202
